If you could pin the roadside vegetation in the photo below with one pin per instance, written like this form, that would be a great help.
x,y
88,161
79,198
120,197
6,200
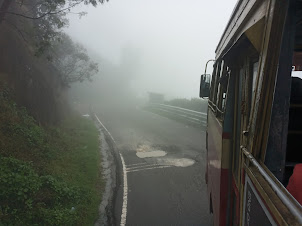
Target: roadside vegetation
x,y
49,175
172,116
49,165
195,104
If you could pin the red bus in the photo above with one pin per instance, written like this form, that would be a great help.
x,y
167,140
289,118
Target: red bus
x,y
254,122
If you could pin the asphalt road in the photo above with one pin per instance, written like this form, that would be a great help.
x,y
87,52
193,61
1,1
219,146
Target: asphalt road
x,y
165,166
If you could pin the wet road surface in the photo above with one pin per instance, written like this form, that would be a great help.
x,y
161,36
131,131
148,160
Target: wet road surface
x,y
165,164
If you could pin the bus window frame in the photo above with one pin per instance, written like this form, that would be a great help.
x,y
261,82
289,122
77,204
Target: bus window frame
x,y
213,82
248,56
212,89
278,166
220,110
216,84
236,161
224,100
249,95
269,56
216,94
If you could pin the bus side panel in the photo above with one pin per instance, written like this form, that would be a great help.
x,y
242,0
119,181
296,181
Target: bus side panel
x,y
214,163
225,180
223,195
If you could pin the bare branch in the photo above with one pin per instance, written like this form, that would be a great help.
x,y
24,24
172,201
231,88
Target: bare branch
x,y
17,29
44,14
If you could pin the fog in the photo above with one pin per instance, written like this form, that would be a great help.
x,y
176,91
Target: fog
x,y
148,46
158,151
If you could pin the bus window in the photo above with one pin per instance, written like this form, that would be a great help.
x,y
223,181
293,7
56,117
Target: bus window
x,y
216,89
225,83
222,90
246,80
216,84
218,93
294,135
285,134
213,82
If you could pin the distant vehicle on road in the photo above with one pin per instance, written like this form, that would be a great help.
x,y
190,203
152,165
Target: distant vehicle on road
x,y
254,121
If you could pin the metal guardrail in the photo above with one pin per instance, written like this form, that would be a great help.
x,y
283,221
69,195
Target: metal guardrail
x,y
195,117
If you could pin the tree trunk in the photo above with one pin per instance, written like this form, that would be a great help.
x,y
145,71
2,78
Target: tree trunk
x,y
3,9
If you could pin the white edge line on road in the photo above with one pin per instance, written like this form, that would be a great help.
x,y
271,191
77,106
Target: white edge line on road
x,y
150,168
125,192
105,128
125,195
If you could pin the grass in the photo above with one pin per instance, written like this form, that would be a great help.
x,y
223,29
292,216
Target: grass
x,y
79,163
48,175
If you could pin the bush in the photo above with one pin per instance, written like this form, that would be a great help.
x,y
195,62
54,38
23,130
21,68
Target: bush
x,y
48,175
27,198
18,184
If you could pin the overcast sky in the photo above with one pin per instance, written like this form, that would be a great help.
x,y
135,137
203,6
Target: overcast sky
x,y
173,39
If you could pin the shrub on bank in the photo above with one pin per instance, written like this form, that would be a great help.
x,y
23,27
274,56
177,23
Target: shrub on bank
x,y
48,175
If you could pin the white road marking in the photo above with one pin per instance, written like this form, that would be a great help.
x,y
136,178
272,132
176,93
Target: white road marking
x,y
105,128
125,194
137,164
125,191
149,168
143,166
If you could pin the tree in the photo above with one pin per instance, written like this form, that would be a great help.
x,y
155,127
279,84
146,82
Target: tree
x,y
37,9
47,18
71,60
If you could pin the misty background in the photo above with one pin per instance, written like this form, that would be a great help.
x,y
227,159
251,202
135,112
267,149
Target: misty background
x,y
148,46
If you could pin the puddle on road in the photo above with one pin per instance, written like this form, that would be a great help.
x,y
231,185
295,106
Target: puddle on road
x,y
145,151
150,154
182,162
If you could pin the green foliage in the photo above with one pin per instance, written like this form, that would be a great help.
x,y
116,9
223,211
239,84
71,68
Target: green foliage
x,y
27,198
47,177
17,127
72,61
48,18
18,181
33,134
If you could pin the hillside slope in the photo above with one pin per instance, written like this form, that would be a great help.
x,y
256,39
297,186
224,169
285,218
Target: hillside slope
x,y
35,82
48,175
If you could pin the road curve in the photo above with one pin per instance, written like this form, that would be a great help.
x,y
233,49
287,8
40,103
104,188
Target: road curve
x,y
163,163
